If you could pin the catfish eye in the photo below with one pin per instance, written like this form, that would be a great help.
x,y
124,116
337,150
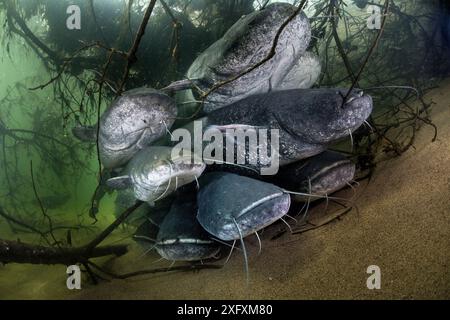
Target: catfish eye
x,y
145,121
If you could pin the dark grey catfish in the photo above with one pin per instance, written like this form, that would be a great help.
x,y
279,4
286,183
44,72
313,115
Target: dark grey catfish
x,y
320,175
154,173
231,207
244,45
181,237
132,122
303,74
308,120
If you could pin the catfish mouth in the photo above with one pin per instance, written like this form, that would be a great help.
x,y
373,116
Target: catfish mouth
x,y
257,216
329,180
361,105
139,133
354,112
169,242
257,204
180,171
187,249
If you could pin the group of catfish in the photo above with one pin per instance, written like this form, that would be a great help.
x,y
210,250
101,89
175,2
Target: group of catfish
x,y
193,209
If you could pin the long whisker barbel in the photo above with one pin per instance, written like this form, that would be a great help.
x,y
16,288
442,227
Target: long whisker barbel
x,y
351,140
243,249
396,87
259,241
287,224
231,251
168,184
370,127
223,242
146,252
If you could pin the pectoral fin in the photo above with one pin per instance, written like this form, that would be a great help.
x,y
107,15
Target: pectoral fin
x,y
119,183
180,85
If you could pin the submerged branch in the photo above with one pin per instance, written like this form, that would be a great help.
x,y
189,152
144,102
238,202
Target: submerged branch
x,y
131,55
18,252
10,218
29,34
113,226
371,50
41,206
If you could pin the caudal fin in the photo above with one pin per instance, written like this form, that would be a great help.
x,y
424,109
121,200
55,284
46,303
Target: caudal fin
x,y
85,133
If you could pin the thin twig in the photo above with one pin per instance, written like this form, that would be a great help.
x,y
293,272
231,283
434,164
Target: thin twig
x,y
97,144
131,54
23,224
44,213
113,226
369,54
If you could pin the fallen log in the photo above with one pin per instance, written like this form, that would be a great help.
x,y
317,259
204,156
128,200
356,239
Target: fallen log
x,y
18,252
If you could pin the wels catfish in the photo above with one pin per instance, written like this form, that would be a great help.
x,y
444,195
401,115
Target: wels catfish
x,y
181,237
307,120
132,122
155,173
243,46
231,207
320,175
303,74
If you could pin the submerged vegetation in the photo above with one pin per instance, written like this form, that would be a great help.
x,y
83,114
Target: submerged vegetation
x,y
125,44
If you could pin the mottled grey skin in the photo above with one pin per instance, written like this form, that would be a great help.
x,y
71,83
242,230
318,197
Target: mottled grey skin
x,y
132,122
181,237
303,74
154,173
320,175
308,119
226,199
244,45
